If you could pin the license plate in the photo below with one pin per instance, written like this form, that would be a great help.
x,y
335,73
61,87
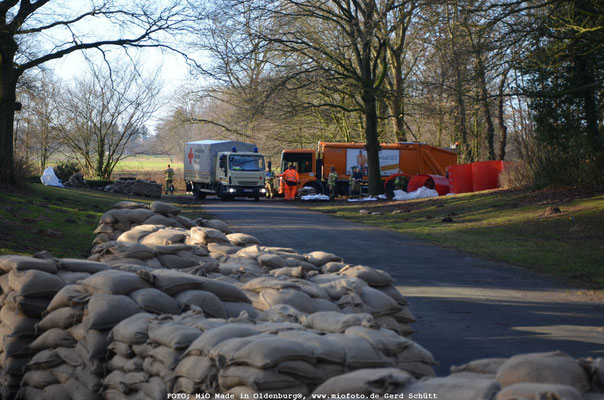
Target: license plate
x,y
248,190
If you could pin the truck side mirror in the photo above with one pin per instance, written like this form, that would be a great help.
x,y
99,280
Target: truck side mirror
x,y
222,162
270,165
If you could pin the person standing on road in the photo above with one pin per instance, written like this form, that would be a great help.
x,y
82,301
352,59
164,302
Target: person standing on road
x,y
269,183
291,178
169,173
332,179
355,182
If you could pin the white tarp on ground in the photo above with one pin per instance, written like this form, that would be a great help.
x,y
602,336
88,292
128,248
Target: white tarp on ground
x,y
364,199
311,197
420,193
50,179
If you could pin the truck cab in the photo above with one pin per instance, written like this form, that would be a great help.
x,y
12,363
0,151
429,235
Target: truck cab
x,y
304,161
239,174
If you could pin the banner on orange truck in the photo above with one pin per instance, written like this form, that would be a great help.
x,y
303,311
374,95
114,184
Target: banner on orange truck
x,y
389,161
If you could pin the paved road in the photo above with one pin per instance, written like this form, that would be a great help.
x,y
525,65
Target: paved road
x,y
466,308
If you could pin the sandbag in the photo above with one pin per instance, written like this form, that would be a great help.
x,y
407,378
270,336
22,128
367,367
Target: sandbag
x,y
378,301
166,355
242,239
257,379
196,368
56,392
139,215
44,360
383,340
129,205
538,391
133,330
17,324
155,301
207,301
336,322
61,318
374,277
163,208
23,263
67,295
114,282
173,282
130,250
34,283
553,367
72,278
212,337
217,224
51,339
366,382
105,310
320,258
77,391
120,363
136,234
31,306
271,261
203,235
164,237
294,298
481,366
452,388
77,265
172,334
158,219
267,352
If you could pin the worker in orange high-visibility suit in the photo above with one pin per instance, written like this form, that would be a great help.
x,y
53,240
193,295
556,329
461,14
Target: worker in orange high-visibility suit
x,y
291,179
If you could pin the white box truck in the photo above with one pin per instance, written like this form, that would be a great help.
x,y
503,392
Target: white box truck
x,y
225,168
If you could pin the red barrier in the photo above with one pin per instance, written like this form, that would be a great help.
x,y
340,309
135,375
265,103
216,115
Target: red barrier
x,y
436,182
460,178
485,175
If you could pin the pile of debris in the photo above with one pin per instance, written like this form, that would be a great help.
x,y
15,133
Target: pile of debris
x,y
76,181
136,187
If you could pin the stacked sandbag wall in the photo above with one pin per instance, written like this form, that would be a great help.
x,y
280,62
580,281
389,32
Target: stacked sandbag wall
x,y
137,187
28,285
535,376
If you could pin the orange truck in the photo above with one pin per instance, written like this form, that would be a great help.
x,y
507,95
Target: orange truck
x,y
397,159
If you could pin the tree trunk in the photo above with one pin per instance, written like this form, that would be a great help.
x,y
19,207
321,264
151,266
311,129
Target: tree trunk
x,y
501,117
398,103
8,87
484,94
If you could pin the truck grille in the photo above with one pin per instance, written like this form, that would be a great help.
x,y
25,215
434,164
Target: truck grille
x,y
250,183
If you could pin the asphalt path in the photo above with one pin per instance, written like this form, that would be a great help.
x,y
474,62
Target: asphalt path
x,y
466,308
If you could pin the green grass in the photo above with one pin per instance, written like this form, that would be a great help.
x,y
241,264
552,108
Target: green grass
x,y
60,221
503,225
145,163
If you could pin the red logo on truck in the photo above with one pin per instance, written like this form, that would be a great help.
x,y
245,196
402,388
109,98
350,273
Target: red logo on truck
x,y
190,155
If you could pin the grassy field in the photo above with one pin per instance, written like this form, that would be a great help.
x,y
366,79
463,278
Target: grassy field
x,y
61,221
511,226
145,163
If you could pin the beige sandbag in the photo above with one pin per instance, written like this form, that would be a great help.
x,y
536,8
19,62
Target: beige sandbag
x,y
61,318
208,302
267,282
30,306
378,301
14,346
172,334
163,208
257,379
416,353
452,388
77,391
243,239
155,389
158,219
553,367
44,360
306,266
139,215
393,292
173,282
332,267
203,235
383,340
173,261
280,313
337,286
155,301
121,348
292,272
538,391
156,368
69,356
251,252
133,330
271,261
120,363
213,337
105,310
482,366
56,392
34,283
366,382
165,237
129,250
217,224
267,352
115,380
71,278
114,282
294,298
223,290
67,296
335,322
196,368
166,355
218,250
234,309
187,223
24,263
320,258
129,205
51,339
359,352
136,234
17,324
374,277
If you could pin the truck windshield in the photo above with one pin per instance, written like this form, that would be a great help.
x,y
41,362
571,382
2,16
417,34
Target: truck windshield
x,y
246,162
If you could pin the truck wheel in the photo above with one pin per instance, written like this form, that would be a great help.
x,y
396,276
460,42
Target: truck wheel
x,y
318,188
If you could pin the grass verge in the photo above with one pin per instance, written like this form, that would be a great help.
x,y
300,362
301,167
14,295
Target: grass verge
x,y
517,227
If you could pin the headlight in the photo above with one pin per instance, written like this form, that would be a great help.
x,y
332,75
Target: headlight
x,y
231,190
262,190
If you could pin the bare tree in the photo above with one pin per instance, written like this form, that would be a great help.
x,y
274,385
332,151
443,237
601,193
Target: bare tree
x,y
35,32
107,111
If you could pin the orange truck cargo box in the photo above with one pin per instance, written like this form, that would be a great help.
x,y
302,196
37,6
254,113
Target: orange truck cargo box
x,y
397,158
